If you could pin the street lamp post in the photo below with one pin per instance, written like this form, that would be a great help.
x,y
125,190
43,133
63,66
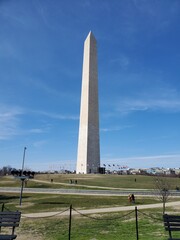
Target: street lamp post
x,y
22,177
23,160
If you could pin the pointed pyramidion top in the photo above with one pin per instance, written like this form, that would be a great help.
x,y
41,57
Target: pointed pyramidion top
x,y
91,36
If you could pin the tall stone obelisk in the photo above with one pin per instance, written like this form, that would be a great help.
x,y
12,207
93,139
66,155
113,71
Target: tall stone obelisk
x,y
88,159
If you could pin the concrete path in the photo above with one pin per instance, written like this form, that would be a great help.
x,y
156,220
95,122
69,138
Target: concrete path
x,y
80,185
122,192
101,210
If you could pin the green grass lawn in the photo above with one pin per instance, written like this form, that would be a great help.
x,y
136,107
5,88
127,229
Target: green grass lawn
x,y
111,181
84,227
97,227
90,227
93,180
51,202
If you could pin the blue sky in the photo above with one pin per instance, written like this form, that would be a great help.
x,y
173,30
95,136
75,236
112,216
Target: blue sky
x,y
41,54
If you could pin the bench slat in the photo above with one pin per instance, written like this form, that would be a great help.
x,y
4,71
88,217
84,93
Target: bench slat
x,y
172,224
173,229
9,219
9,224
172,220
173,238
4,214
7,237
10,215
171,217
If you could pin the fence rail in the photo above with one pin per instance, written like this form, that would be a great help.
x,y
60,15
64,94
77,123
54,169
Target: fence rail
x,y
99,221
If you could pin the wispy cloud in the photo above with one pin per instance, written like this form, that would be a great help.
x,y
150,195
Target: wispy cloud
x,y
48,88
11,118
114,129
7,14
166,160
56,115
42,12
153,99
36,130
42,85
122,61
40,143
158,12
54,165
9,121
132,105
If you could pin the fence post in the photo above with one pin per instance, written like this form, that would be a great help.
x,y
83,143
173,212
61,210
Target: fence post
x,y
2,209
70,216
136,215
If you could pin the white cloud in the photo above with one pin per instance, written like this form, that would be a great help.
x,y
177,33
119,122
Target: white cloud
x,y
40,143
47,165
57,116
9,121
35,130
152,99
166,160
158,11
122,61
7,14
130,105
114,129
42,11
47,88
39,84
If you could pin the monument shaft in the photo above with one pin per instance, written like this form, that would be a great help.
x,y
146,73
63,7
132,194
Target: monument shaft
x,y
88,159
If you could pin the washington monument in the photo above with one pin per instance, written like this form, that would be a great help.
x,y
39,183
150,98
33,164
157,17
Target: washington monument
x,y
88,157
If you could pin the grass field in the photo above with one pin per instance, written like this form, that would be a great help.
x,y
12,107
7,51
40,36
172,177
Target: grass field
x,y
51,202
84,227
93,181
97,227
102,227
89,227
111,181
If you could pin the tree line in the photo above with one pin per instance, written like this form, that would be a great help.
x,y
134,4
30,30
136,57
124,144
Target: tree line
x,y
8,170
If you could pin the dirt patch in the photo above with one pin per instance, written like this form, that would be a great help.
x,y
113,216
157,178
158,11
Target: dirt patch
x,y
25,205
3,182
29,236
176,207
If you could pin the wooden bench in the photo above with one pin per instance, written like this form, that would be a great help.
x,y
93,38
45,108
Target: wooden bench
x,y
171,224
9,220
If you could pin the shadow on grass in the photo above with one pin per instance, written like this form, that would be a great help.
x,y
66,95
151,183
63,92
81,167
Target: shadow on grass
x,y
2,198
40,186
64,203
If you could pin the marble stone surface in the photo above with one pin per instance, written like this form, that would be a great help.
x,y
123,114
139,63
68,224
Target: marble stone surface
x,y
88,159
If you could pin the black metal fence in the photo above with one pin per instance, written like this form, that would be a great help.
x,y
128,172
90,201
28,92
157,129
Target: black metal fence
x,y
99,223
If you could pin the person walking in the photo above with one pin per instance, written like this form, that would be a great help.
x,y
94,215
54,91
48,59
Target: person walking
x,y
129,198
132,198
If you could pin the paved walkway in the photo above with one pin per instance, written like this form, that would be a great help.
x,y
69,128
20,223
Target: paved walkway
x,y
101,210
80,185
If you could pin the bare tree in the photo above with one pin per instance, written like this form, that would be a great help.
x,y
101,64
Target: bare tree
x,y
6,170
162,190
